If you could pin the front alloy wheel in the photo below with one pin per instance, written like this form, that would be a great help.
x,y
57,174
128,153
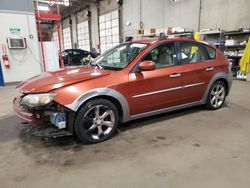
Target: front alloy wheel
x,y
96,121
217,96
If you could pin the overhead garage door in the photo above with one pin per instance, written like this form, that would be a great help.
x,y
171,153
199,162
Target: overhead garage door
x,y
109,30
83,35
67,38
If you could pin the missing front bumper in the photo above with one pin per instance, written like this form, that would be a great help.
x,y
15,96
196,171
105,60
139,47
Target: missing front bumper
x,y
51,132
50,124
46,132
28,117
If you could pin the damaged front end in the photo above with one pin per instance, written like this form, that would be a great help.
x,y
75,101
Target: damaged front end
x,y
47,117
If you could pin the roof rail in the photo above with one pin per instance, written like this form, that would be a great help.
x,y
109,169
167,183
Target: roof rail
x,y
162,36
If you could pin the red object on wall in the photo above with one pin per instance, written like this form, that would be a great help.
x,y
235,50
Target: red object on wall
x,y
6,61
4,49
5,57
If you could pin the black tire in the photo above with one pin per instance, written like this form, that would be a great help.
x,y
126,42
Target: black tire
x,y
212,95
88,124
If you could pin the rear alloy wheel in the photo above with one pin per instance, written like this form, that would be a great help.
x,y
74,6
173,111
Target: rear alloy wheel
x,y
96,121
216,96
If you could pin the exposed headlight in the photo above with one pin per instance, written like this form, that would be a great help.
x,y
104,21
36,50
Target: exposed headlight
x,y
36,100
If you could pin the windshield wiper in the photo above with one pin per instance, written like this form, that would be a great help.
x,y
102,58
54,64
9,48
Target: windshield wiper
x,y
95,64
92,63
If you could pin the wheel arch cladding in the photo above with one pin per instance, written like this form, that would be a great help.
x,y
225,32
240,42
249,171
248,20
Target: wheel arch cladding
x,y
225,78
110,94
109,98
225,82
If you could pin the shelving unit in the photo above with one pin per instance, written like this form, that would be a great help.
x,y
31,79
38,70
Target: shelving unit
x,y
235,44
231,43
213,36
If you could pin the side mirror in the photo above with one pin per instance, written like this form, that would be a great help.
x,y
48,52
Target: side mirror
x,y
147,66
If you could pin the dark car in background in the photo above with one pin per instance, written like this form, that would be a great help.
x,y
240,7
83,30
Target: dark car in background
x,y
73,57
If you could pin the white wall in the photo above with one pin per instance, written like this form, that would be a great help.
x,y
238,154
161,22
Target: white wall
x,y
159,14
225,14
73,30
24,63
183,13
94,26
131,13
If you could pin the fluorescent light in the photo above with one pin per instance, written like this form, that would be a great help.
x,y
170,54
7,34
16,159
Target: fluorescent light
x,y
43,8
66,3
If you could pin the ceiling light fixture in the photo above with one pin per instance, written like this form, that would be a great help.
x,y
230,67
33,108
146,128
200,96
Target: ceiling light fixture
x,y
87,13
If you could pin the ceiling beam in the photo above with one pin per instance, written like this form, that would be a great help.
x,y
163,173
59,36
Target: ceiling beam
x,y
74,8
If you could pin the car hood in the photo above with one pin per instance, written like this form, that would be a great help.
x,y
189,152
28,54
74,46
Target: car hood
x,y
53,80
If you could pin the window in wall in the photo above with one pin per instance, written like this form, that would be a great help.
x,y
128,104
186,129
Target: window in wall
x,y
109,30
67,38
83,35
163,55
192,53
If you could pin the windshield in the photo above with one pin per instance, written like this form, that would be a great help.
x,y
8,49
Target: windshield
x,y
120,56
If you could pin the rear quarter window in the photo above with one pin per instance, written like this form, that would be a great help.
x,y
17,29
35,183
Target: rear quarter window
x,y
211,52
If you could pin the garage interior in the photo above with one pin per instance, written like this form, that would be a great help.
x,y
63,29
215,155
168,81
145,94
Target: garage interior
x,y
193,147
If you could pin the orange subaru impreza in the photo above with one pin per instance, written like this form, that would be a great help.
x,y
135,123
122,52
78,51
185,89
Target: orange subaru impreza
x,y
130,81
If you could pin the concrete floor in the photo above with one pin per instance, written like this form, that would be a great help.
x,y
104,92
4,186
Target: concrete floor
x,y
188,148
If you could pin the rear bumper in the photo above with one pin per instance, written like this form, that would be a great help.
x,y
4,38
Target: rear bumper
x,y
24,115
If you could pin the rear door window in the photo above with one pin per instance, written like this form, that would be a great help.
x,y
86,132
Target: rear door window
x,y
191,52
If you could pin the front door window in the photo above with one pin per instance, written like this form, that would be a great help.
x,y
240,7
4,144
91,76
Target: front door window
x,y
163,55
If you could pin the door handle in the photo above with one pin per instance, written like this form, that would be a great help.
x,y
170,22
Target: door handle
x,y
209,68
175,75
